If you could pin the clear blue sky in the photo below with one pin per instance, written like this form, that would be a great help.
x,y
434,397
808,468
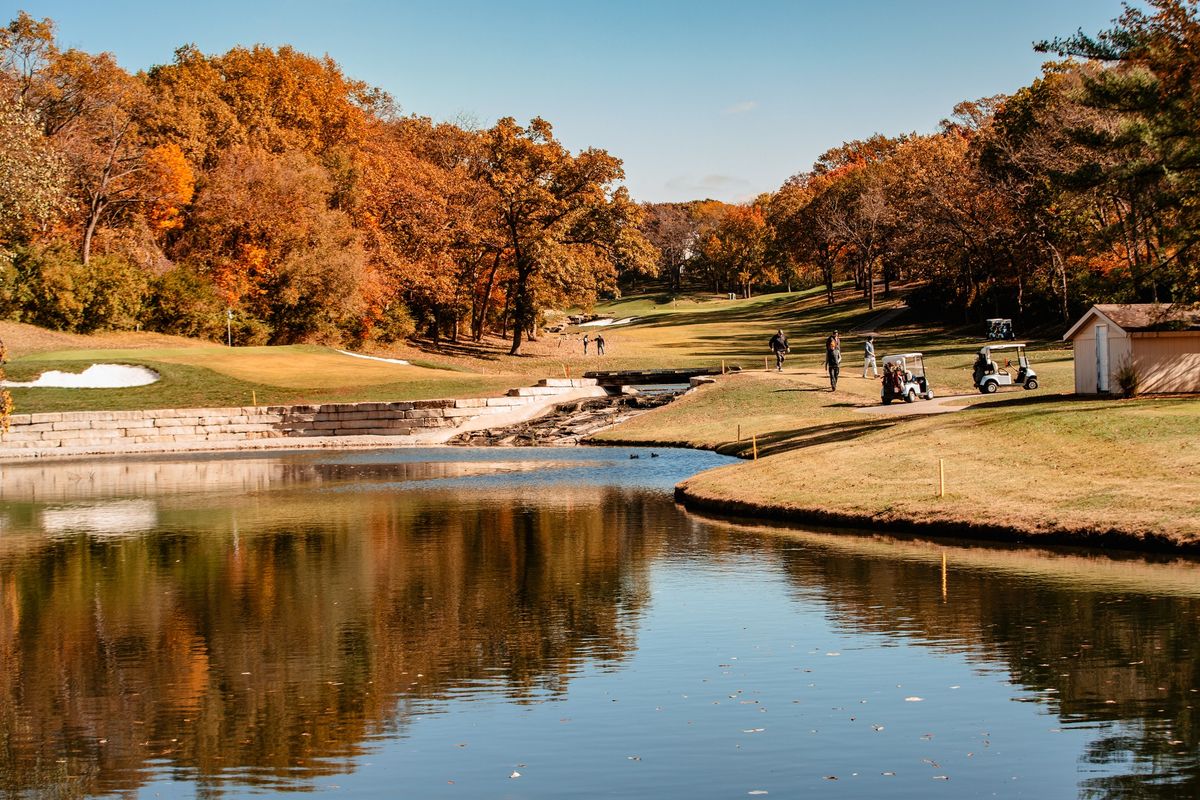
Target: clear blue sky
x,y
700,99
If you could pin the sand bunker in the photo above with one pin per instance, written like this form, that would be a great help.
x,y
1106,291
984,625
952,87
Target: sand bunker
x,y
374,358
97,376
599,323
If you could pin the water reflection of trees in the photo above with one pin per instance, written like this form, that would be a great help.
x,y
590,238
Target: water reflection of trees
x,y
275,656
1128,662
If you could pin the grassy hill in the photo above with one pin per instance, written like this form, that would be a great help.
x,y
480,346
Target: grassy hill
x,y
700,330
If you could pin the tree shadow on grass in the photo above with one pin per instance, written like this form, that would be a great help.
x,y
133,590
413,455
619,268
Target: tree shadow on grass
x,y
770,444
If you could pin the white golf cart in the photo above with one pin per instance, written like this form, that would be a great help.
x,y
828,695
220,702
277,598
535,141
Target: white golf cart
x,y
904,378
990,376
1000,329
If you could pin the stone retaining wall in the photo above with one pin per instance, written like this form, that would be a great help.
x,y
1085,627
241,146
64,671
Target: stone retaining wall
x,y
409,422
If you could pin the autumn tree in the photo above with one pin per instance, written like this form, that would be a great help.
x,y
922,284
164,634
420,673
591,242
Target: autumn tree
x,y
672,229
31,173
1137,89
800,214
275,100
734,248
263,231
559,213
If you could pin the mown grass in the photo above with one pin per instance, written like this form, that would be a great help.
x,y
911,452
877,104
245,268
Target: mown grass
x,y
192,386
690,331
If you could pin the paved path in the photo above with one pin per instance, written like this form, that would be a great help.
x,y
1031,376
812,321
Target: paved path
x,y
899,408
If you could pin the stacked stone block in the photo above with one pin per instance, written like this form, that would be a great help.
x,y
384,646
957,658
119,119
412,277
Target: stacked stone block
x,y
190,426
164,426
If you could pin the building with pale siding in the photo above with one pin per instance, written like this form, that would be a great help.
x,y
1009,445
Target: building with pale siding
x,y
1162,342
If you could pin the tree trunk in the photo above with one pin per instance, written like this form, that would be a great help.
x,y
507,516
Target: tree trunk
x,y
870,277
480,307
522,307
93,219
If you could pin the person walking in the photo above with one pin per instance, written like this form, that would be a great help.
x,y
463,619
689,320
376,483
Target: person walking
x,y
599,344
869,357
779,346
833,359
585,343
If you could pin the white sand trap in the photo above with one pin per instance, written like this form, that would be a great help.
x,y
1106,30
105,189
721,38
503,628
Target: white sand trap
x,y
375,358
604,323
97,376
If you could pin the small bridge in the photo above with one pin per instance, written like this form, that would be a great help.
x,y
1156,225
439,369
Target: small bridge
x,y
649,377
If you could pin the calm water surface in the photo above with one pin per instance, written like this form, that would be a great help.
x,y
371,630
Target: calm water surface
x,y
548,624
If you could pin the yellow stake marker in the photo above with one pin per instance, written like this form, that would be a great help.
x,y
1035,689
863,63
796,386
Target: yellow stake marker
x,y
754,445
941,477
943,576
254,398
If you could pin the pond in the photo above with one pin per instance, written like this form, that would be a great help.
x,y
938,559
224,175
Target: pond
x,y
535,623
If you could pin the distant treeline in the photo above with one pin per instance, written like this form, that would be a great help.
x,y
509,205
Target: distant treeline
x,y
1083,187
266,186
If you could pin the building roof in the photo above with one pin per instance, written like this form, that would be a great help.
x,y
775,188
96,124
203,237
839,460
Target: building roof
x,y
1142,317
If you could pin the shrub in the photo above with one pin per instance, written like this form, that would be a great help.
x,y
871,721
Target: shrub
x,y
395,324
250,332
48,283
52,288
186,304
1128,377
114,291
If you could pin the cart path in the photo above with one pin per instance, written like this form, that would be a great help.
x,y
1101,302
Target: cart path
x,y
899,408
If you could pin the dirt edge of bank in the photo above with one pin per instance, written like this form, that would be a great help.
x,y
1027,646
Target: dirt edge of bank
x,y
1099,538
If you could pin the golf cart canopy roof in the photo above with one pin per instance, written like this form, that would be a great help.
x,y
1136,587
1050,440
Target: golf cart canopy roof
x,y
900,356
999,319
1005,346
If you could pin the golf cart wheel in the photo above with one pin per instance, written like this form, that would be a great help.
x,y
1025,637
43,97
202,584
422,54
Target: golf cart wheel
x,y
1031,383
990,387
910,397
929,394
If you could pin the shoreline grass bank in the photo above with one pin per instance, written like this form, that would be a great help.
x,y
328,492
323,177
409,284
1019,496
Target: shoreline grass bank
x,y
1038,468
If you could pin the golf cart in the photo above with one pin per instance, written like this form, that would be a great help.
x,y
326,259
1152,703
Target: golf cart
x,y
904,378
989,376
1000,329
